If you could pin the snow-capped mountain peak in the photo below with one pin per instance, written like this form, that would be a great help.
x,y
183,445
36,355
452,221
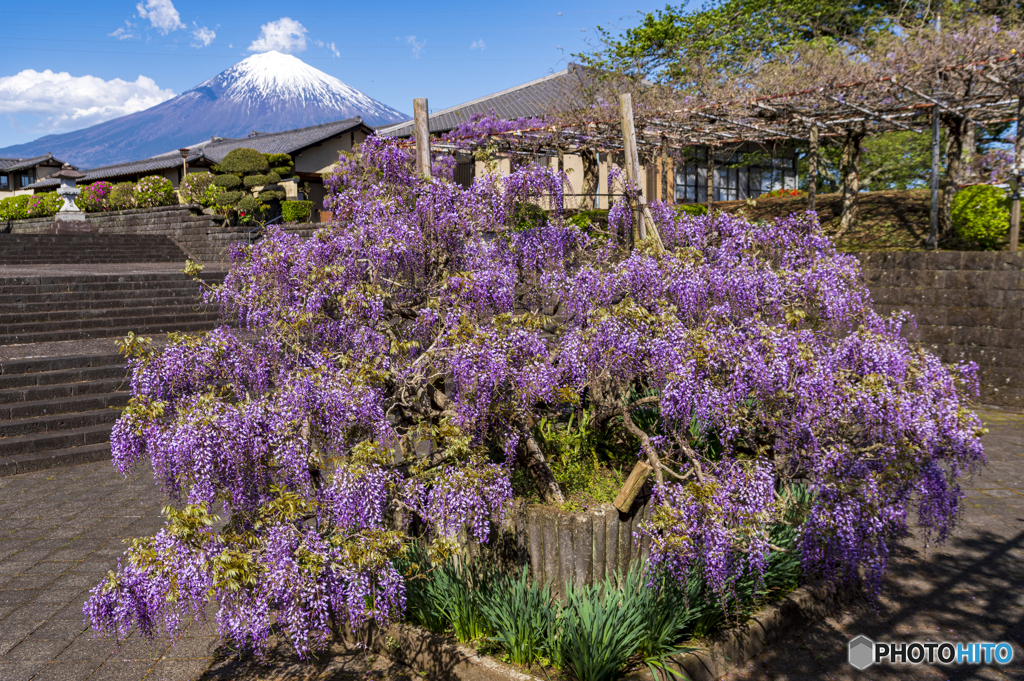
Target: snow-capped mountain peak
x,y
273,75
269,92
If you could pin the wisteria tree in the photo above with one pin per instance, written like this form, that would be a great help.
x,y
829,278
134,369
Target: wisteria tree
x,y
393,366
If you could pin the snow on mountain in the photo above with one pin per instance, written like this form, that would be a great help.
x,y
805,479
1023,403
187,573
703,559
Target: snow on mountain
x,y
268,92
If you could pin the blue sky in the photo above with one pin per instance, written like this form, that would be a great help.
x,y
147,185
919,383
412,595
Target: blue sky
x,y
67,66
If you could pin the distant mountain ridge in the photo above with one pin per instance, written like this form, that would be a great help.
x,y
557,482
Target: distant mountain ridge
x,y
267,92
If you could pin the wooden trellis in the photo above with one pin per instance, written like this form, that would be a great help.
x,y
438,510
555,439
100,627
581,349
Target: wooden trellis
x,y
981,93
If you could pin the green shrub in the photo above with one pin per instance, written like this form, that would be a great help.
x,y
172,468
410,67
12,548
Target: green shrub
x,y
521,614
95,197
296,211
249,205
446,596
198,188
243,160
251,181
526,216
44,205
602,628
282,171
268,195
281,160
273,177
227,181
14,207
122,196
153,191
228,198
694,209
980,215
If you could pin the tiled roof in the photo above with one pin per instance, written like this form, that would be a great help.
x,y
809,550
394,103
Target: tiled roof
x,y
537,98
148,165
214,151
10,165
287,142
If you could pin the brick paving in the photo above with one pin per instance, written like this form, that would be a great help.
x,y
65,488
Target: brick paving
x,y
62,530
968,589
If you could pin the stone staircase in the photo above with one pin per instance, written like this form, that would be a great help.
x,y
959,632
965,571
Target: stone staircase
x,y
59,308
38,249
58,411
66,385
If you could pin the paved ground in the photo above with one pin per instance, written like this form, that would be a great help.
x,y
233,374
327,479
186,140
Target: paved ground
x,y
62,530
969,589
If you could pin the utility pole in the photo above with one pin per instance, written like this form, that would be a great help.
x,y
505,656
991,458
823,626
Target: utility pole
x,y
1018,171
632,163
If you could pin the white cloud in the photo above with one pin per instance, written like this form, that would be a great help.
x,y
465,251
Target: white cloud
x,y
417,45
283,35
478,45
126,32
203,35
330,46
161,15
66,102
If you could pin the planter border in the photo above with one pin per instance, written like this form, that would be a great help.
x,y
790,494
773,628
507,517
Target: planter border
x,y
439,657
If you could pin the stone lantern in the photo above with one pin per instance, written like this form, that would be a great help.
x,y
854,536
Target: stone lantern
x,y
68,191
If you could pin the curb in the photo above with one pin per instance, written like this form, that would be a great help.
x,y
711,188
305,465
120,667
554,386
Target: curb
x,y
731,648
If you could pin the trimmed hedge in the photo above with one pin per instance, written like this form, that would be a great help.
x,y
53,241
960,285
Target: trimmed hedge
x,y
243,160
980,215
296,211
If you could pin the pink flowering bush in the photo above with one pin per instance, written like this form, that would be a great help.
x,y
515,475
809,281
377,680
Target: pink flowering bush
x,y
400,360
44,205
95,197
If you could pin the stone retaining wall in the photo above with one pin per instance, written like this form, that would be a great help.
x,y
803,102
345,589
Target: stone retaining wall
x,y
205,238
968,307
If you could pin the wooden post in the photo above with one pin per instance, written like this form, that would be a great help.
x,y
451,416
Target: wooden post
x,y
711,177
812,169
933,234
1018,161
632,162
421,128
664,170
635,481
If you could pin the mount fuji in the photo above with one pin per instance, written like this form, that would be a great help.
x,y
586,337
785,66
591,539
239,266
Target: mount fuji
x,y
267,92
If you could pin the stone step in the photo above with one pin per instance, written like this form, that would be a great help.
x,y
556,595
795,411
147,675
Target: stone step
x,y
131,317
143,309
35,412
112,332
176,283
85,306
70,299
85,278
38,365
63,378
33,393
54,458
60,437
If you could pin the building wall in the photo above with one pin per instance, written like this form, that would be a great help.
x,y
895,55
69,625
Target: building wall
x,y
320,159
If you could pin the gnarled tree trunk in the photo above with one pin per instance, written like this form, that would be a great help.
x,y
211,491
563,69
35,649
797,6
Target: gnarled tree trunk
x,y
851,179
955,134
591,178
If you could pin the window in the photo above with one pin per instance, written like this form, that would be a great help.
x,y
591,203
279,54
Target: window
x,y
26,180
464,173
691,179
3,183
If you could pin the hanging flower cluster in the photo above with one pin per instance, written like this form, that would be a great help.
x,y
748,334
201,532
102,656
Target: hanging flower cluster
x,y
397,361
